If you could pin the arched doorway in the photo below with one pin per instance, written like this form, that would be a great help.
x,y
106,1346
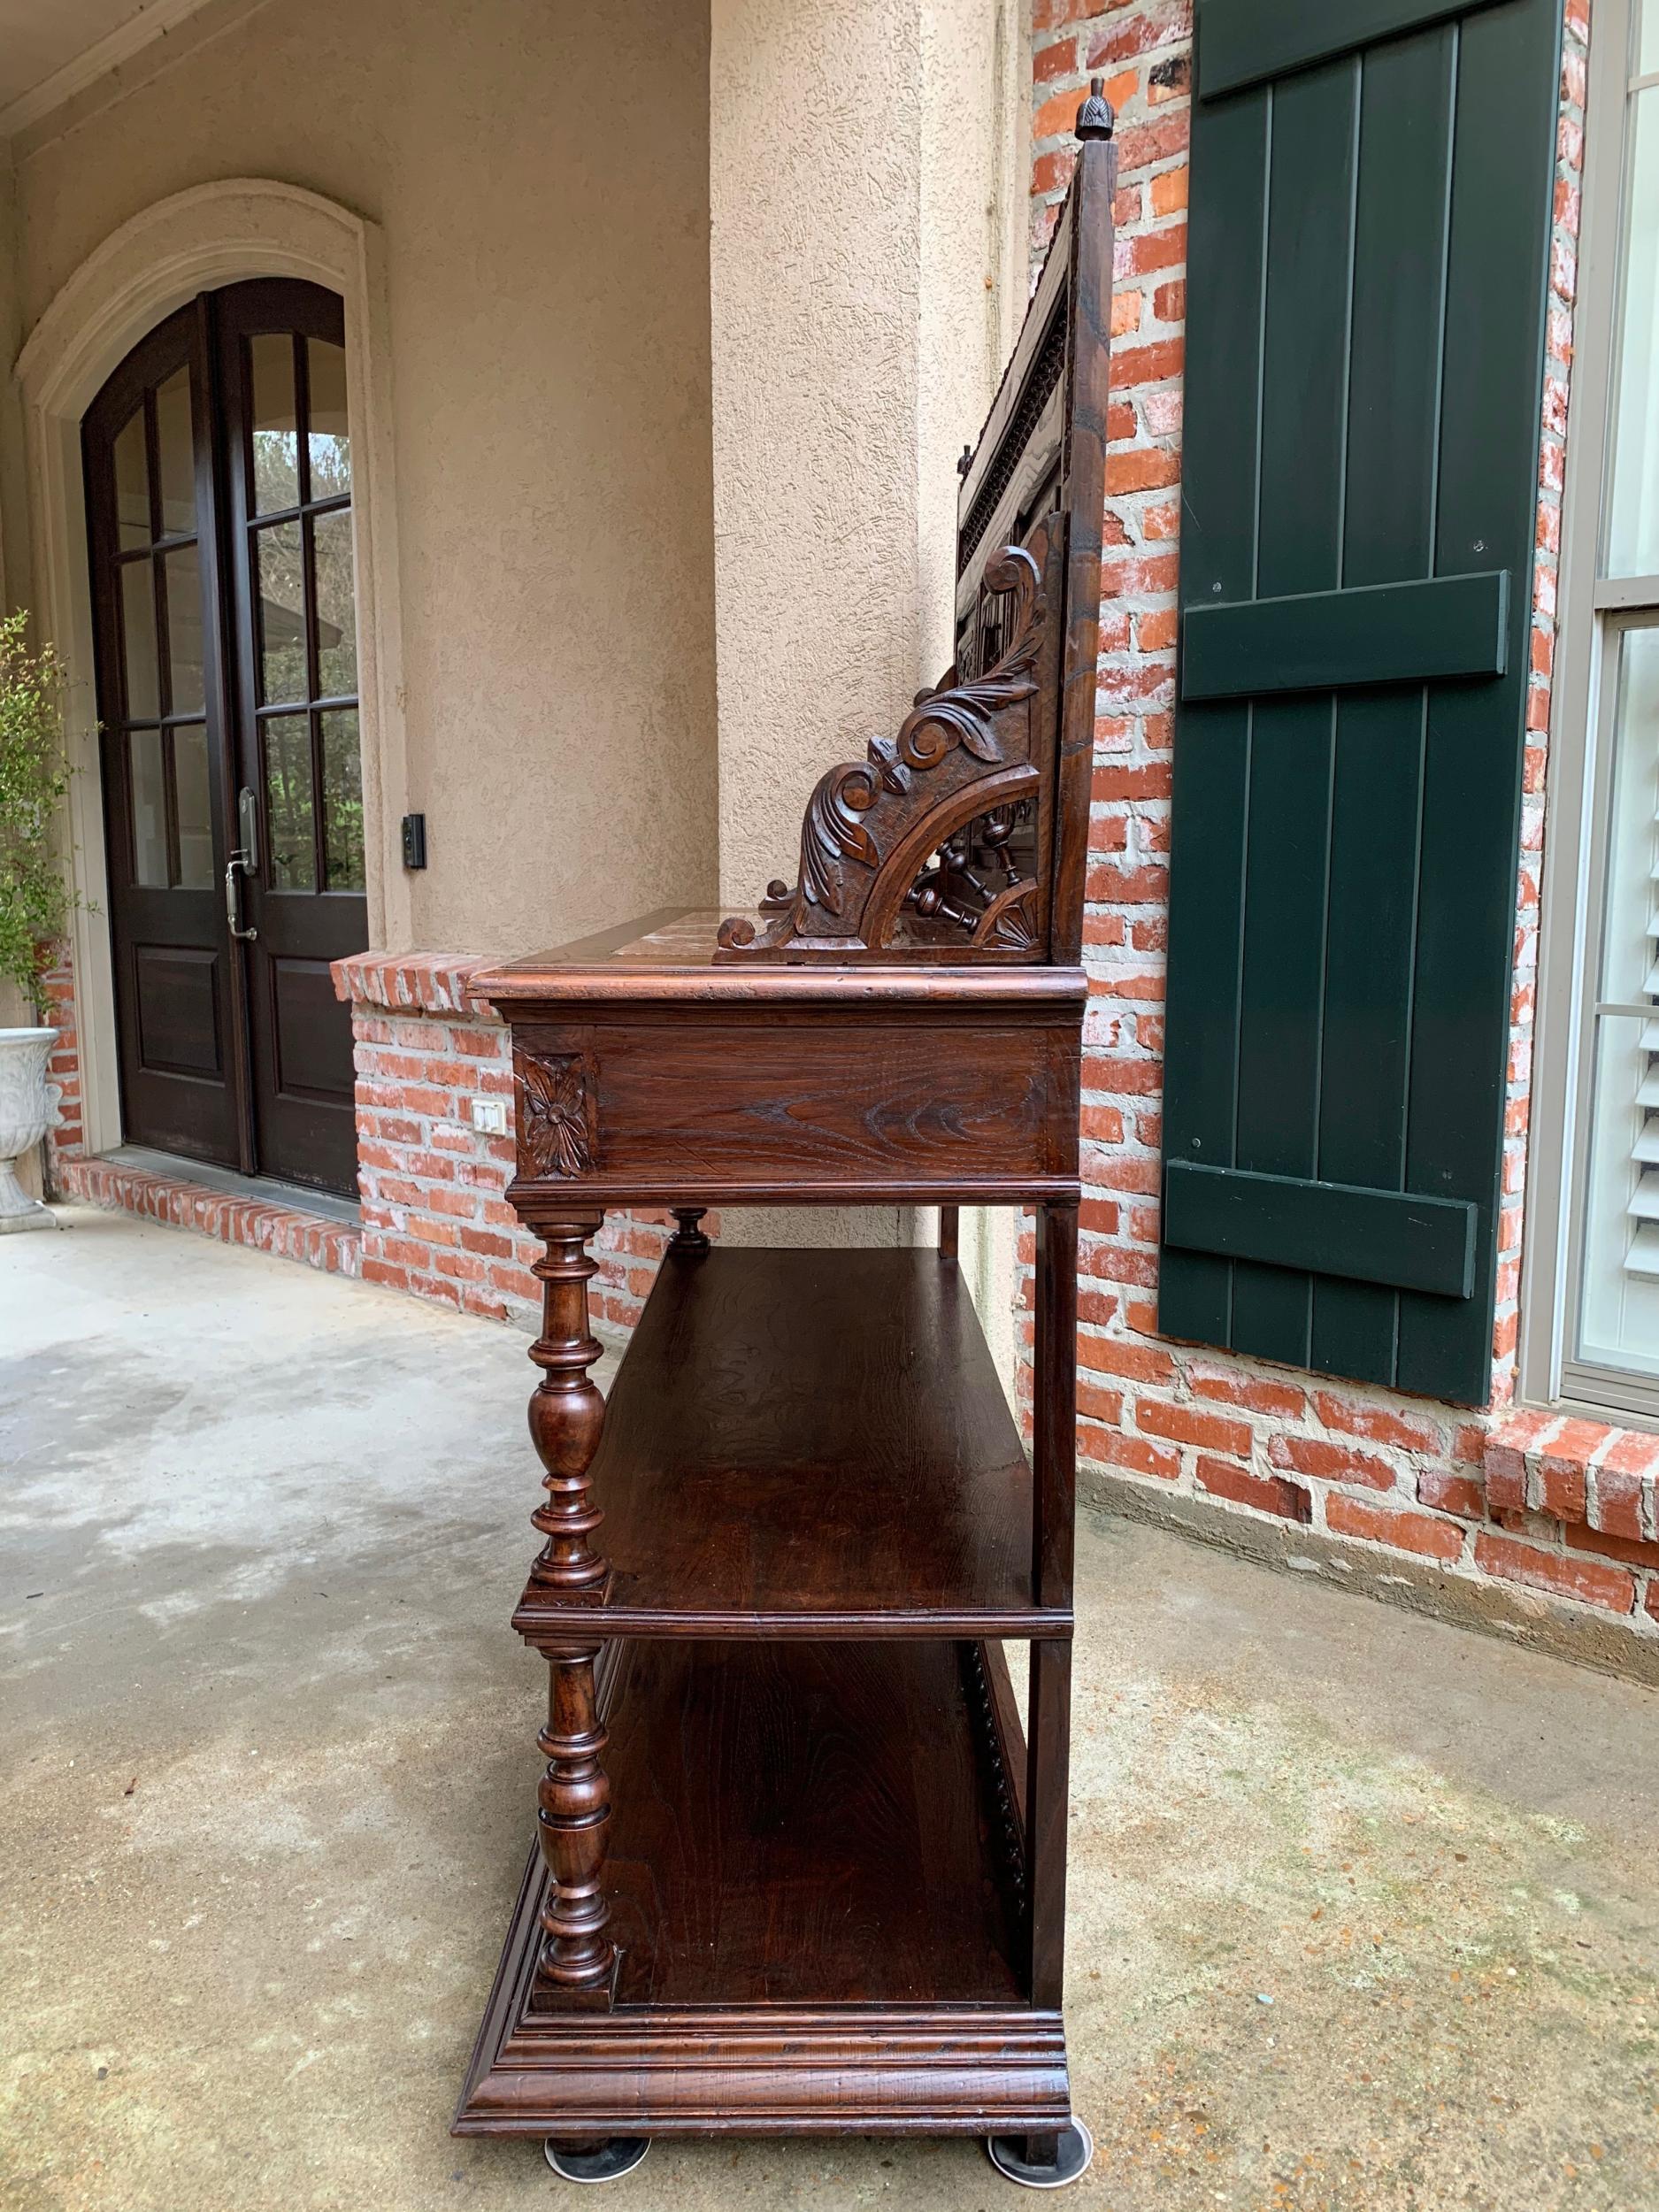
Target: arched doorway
x,y
218,464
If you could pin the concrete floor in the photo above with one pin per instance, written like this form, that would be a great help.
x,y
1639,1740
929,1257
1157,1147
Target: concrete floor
x,y
1365,1909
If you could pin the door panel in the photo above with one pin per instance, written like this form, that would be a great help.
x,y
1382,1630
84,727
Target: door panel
x,y
147,445
289,454
176,994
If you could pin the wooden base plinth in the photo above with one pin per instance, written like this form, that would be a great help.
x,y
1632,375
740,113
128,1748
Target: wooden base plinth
x,y
753,2069
818,1902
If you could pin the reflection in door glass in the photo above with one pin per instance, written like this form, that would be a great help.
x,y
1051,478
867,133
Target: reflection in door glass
x,y
276,444
194,806
150,806
342,800
327,443
138,632
184,630
336,619
288,815
175,454
281,613
132,483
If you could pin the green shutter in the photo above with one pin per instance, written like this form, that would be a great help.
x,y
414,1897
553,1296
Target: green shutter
x,y
1367,277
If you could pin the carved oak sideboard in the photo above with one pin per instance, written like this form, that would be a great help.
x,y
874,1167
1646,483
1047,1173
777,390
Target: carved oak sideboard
x,y
800,1867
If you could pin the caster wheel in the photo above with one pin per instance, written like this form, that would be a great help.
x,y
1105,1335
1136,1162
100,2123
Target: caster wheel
x,y
1006,2154
595,2162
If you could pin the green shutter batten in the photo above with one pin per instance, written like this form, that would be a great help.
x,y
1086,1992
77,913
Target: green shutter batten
x,y
1368,258
1318,641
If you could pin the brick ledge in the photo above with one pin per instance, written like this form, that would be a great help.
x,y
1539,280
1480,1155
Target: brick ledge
x,y
287,1231
411,982
1582,1473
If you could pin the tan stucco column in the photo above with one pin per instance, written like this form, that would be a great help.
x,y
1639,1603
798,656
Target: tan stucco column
x,y
866,276
861,159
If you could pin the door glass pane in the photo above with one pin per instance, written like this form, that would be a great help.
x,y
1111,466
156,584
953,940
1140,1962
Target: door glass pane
x,y
150,806
281,613
138,634
175,455
288,817
132,484
184,630
336,621
193,805
1633,536
327,441
276,455
342,800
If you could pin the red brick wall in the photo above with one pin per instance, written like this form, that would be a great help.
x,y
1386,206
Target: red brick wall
x,y
435,1219
66,1140
1565,1507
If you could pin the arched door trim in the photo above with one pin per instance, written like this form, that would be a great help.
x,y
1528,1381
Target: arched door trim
x,y
194,242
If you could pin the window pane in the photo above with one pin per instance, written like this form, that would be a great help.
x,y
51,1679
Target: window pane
x,y
1619,1324
138,634
175,454
276,445
150,806
287,790
1648,41
193,805
281,613
1633,531
342,800
326,438
184,631
336,620
132,484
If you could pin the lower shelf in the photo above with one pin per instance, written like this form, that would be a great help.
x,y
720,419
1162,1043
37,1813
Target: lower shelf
x,y
816,1898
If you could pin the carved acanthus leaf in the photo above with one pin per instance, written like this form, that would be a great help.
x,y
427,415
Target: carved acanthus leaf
x,y
553,1132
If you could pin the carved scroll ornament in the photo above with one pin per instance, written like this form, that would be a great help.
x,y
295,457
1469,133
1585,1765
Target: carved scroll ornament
x,y
873,827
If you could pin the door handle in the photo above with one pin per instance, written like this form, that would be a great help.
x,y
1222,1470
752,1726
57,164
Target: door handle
x,y
233,868
242,860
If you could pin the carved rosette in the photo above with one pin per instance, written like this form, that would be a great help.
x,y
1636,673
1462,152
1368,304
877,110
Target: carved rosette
x,y
865,814
556,1137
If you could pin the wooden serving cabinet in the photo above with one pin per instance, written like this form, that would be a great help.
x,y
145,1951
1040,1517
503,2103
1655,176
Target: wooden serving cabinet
x,y
800,1866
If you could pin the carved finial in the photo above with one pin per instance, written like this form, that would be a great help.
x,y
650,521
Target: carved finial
x,y
966,462
1095,117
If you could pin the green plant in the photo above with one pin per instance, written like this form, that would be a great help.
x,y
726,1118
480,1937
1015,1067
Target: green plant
x,y
35,900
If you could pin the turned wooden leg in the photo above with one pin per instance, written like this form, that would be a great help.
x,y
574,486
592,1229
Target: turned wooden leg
x,y
688,1236
567,1409
572,1821
566,1416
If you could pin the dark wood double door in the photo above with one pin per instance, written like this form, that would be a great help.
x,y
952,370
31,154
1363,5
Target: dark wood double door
x,y
219,487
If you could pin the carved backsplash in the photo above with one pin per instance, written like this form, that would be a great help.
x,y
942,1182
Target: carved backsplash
x,y
932,842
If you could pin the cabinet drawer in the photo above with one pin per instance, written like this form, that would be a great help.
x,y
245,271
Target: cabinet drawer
x,y
735,1109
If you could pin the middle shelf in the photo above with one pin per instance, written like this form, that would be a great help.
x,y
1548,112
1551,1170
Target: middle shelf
x,y
808,1443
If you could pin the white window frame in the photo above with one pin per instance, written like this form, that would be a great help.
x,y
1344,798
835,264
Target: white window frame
x,y
1593,616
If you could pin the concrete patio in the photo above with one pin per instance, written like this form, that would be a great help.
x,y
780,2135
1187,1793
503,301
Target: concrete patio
x,y
1365,1909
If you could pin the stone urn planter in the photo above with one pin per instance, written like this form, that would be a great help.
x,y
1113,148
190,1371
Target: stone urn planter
x,y
28,1107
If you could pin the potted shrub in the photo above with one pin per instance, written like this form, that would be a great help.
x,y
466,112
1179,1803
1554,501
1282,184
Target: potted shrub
x,y
33,898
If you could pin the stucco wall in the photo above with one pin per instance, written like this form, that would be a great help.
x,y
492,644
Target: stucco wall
x,y
541,177
860,274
